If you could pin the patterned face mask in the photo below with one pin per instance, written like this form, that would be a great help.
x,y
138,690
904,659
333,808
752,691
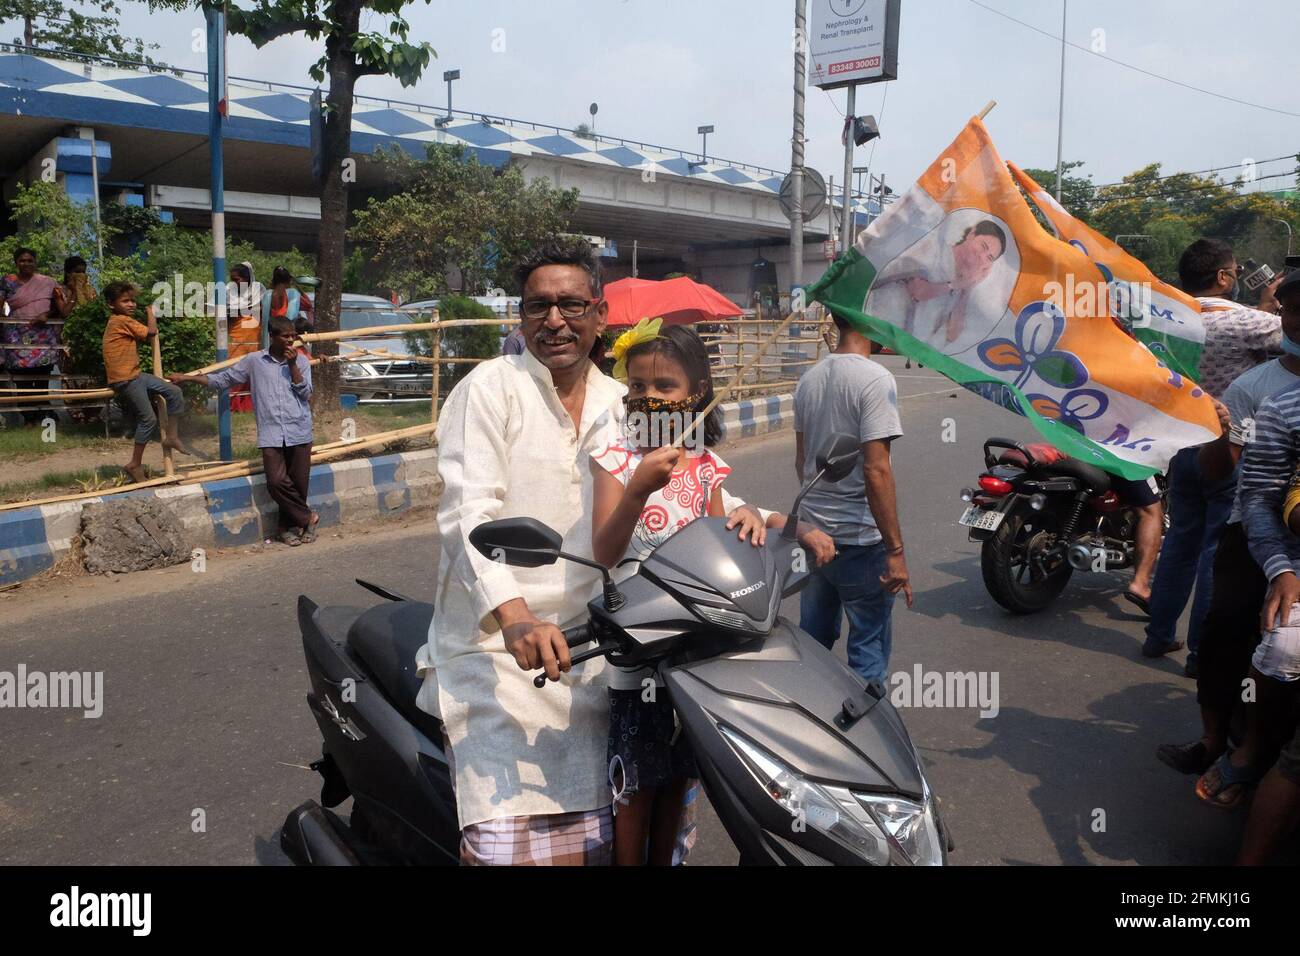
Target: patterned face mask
x,y
656,422
648,404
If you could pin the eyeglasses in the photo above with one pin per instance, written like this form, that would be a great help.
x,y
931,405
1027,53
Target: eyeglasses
x,y
569,308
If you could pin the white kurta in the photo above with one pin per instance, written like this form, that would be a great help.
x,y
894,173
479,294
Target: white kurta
x,y
507,448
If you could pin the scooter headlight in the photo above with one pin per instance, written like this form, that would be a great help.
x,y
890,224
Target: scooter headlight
x,y
832,811
912,827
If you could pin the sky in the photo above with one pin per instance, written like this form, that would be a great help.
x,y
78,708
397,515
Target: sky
x,y
660,68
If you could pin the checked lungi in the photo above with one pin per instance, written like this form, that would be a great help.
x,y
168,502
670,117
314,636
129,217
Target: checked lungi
x,y
580,838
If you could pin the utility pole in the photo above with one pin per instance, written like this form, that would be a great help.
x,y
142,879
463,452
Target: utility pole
x,y
1060,110
796,153
846,220
216,18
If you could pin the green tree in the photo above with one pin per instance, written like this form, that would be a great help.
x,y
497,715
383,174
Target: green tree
x,y
53,225
466,341
1169,211
351,52
1076,191
455,215
54,25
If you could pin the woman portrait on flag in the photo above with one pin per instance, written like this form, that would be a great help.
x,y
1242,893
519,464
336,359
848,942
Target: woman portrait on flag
x,y
951,287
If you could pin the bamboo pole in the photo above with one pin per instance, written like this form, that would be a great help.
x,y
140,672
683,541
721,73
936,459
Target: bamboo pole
x,y
169,466
332,449
388,329
734,385
103,493
435,350
78,397
252,466
335,450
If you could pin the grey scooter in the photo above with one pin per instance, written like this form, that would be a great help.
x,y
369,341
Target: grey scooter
x,y
805,763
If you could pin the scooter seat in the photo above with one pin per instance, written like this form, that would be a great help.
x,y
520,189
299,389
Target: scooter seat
x,y
386,638
1096,479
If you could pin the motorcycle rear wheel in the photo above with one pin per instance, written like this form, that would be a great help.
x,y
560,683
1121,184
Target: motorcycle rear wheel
x,y
1011,576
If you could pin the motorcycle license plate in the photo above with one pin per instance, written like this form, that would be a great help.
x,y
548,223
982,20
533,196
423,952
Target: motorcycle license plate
x,y
976,517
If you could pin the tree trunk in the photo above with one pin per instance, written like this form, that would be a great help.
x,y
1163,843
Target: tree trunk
x,y
336,179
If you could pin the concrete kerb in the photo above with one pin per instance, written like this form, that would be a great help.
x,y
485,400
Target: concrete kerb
x,y
236,512
757,416
231,512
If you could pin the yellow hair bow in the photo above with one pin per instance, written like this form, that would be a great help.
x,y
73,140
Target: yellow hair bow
x,y
643,331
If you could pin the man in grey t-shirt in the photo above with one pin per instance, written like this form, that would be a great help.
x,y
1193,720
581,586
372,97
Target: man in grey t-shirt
x,y
847,392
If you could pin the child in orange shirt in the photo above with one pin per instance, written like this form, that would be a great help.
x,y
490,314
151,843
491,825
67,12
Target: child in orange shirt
x,y
133,389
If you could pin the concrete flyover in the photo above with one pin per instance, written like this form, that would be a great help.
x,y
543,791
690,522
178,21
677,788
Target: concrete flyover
x,y
147,134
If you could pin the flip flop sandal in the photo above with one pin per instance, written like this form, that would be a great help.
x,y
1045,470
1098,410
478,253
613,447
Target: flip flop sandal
x,y
1142,603
308,535
291,538
1229,775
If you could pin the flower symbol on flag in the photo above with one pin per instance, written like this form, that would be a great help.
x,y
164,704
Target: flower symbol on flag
x,y
1039,326
1074,407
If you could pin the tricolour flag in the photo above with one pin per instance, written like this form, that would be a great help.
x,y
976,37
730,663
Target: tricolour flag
x,y
959,275
1164,319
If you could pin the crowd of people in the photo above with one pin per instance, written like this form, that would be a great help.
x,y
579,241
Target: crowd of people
x,y
33,307
1230,548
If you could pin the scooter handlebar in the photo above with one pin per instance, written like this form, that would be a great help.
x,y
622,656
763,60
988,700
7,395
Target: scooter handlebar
x,y
573,636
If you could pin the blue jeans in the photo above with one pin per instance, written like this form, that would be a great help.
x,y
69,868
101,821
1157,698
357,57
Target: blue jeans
x,y
1198,513
851,583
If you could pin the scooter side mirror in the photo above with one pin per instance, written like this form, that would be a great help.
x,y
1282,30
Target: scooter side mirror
x,y
519,542
838,456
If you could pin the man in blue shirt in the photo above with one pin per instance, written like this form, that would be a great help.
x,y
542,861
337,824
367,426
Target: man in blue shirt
x,y
280,377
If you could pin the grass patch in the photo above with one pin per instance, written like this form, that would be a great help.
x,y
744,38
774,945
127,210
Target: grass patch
x,y
27,440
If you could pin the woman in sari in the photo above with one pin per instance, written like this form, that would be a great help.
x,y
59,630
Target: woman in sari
x,y
245,335
29,340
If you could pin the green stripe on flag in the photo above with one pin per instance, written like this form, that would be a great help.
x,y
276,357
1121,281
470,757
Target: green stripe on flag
x,y
1181,355
844,288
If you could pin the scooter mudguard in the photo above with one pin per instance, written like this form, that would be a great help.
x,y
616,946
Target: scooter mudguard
x,y
797,701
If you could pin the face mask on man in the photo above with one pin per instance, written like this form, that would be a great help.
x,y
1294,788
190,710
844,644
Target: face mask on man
x,y
1289,345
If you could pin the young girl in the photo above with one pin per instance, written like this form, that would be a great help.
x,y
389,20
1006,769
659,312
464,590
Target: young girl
x,y
645,491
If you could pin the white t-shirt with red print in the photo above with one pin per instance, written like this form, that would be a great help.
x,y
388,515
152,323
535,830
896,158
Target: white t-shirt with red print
x,y
667,511
676,504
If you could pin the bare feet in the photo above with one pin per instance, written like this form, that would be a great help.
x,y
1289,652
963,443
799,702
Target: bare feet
x,y
175,444
136,472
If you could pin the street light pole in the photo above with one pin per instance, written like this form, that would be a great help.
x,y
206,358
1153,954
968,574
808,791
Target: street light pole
x,y
1288,235
796,154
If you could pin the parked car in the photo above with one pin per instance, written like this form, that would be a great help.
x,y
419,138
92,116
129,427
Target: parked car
x,y
381,380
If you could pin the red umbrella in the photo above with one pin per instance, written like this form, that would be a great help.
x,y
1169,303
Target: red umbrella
x,y
677,301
